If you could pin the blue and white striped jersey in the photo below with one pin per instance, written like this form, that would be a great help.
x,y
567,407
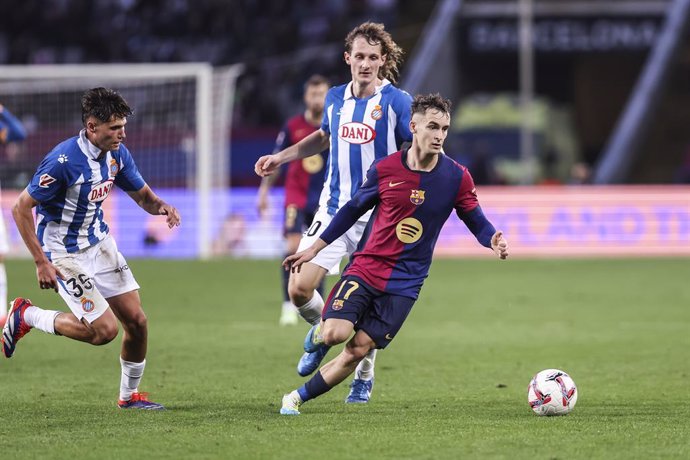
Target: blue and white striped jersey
x,y
361,130
70,185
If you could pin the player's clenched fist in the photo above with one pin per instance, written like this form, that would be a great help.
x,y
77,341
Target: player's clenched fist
x,y
266,165
499,244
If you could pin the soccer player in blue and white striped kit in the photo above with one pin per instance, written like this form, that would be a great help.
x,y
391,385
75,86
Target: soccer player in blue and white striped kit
x,y
72,248
364,120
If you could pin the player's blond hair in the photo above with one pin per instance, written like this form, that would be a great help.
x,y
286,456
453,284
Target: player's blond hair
x,y
375,34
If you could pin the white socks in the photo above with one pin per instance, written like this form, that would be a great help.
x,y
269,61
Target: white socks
x,y
131,376
311,311
3,289
43,320
365,368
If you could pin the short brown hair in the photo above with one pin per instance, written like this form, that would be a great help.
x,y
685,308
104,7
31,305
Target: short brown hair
x,y
103,104
375,34
422,103
316,80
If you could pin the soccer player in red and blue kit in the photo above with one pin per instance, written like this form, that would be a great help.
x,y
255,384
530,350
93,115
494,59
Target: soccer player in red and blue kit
x,y
303,180
412,192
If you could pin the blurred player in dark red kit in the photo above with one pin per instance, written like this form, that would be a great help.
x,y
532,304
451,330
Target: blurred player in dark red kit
x,y
303,180
412,193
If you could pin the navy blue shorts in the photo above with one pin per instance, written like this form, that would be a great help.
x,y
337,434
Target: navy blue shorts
x,y
297,220
379,314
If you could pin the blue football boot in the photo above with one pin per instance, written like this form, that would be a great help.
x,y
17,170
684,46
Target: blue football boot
x,y
309,362
360,391
313,339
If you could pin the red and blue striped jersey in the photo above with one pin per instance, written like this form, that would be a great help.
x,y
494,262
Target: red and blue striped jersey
x,y
304,178
411,207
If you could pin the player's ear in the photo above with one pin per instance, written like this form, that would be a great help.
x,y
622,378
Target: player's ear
x,y
346,56
413,127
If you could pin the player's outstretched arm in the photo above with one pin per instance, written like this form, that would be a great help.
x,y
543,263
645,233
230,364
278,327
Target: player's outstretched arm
x,y
151,203
295,261
499,244
46,273
316,142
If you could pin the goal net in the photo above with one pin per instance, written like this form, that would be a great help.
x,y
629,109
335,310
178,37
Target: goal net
x,y
179,136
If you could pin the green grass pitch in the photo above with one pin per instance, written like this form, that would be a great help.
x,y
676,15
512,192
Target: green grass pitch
x,y
452,384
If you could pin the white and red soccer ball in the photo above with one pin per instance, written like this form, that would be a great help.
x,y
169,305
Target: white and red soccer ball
x,y
552,392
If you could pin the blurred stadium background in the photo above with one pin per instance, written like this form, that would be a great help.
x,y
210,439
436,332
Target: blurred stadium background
x,y
571,114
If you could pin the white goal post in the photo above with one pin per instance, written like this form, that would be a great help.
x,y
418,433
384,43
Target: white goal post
x,y
182,120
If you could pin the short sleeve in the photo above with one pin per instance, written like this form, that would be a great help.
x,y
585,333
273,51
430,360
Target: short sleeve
x,y
50,178
128,178
403,109
325,121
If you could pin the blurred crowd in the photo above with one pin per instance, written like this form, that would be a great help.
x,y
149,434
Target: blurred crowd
x,y
216,31
281,43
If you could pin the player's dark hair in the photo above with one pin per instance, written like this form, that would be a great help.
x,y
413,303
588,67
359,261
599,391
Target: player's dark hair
x,y
316,80
422,103
103,104
375,34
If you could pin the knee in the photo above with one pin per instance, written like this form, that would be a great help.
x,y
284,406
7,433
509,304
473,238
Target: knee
x,y
137,324
354,354
332,336
299,292
104,334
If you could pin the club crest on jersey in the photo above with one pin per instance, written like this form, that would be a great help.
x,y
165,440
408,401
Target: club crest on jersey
x,y
100,192
114,168
377,113
45,180
355,132
87,305
417,197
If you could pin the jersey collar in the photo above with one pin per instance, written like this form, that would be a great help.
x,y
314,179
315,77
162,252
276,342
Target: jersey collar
x,y
87,147
349,94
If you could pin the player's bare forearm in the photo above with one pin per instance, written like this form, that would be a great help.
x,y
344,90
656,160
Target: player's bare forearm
x,y
24,219
295,261
46,273
151,203
314,143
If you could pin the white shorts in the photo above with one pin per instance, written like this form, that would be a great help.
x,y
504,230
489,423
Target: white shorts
x,y
331,256
4,245
92,276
